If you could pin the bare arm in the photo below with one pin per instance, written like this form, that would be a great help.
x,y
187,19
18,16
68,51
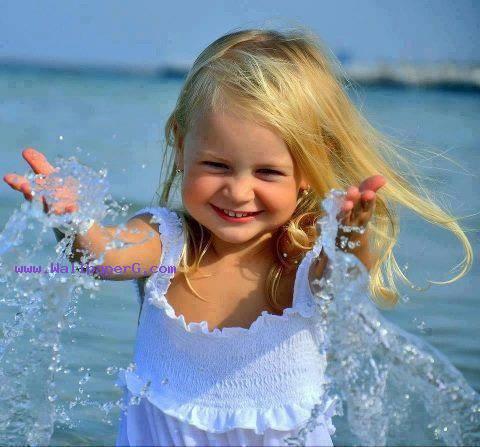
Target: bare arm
x,y
145,248
357,209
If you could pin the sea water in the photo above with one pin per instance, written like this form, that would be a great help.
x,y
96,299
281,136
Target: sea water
x,y
111,120
393,387
387,380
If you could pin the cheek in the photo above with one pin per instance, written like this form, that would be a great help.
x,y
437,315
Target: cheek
x,y
280,196
197,188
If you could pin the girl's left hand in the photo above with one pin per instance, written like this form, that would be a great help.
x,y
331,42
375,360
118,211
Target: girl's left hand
x,y
357,210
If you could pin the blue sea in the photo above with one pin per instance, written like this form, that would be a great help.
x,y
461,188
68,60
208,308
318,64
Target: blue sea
x,y
117,123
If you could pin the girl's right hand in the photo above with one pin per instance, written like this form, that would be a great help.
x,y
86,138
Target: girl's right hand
x,y
65,194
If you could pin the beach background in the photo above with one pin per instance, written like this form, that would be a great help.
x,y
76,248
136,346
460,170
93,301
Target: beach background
x,y
98,82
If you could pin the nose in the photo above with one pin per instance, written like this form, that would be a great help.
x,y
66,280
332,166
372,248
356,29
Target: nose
x,y
239,190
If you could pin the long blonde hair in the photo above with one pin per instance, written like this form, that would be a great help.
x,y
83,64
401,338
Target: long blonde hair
x,y
291,83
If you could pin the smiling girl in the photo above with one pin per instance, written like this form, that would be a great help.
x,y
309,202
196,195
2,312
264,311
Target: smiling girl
x,y
225,351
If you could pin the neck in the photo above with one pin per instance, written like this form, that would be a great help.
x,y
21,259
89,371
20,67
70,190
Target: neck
x,y
238,254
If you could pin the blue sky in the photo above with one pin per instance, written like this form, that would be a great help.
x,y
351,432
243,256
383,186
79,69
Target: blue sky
x,y
149,32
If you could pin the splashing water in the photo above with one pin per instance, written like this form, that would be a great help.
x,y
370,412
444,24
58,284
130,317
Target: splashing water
x,y
396,388
35,308
386,380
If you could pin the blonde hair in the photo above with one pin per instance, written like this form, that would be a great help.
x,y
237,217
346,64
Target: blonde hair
x,y
289,82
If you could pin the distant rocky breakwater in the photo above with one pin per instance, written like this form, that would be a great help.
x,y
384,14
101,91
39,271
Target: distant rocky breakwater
x,y
448,76
444,76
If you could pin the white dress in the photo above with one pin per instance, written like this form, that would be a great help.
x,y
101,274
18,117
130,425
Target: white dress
x,y
232,387
147,425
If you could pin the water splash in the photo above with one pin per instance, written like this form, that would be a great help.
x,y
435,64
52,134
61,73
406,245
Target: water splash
x,y
385,380
393,387
35,308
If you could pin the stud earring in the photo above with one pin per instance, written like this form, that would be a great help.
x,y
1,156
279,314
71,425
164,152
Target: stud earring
x,y
306,191
177,171
284,255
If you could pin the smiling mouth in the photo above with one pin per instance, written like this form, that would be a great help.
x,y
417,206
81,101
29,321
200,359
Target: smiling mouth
x,y
232,213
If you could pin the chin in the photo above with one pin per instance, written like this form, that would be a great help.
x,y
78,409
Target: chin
x,y
234,237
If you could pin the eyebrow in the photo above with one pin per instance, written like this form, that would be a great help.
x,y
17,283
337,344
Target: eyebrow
x,y
202,154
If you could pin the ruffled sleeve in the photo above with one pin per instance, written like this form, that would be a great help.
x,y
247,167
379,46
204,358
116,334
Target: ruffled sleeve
x,y
171,234
303,297
354,274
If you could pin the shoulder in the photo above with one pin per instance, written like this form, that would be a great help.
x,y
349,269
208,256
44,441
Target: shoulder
x,y
162,219
156,237
168,226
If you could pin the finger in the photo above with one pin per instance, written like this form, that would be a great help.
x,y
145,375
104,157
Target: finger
x,y
58,208
354,195
367,200
345,218
347,206
373,183
27,191
14,180
37,161
64,208
64,205
345,209
19,183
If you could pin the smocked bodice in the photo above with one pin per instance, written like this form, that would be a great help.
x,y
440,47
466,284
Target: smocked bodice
x,y
269,375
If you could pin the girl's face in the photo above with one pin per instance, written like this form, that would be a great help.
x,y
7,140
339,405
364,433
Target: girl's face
x,y
233,164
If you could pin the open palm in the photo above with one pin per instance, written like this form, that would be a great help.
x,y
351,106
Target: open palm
x,y
65,193
358,206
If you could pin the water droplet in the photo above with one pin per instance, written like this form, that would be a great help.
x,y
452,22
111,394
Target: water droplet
x,y
112,370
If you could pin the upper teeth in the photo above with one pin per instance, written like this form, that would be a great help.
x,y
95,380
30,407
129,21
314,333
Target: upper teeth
x,y
232,214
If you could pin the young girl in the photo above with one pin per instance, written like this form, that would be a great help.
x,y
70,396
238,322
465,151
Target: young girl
x,y
226,352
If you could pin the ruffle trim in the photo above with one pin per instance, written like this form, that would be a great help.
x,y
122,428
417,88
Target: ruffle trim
x,y
171,233
170,229
201,327
217,420
304,305
156,286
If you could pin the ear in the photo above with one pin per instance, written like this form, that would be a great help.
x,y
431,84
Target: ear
x,y
304,184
